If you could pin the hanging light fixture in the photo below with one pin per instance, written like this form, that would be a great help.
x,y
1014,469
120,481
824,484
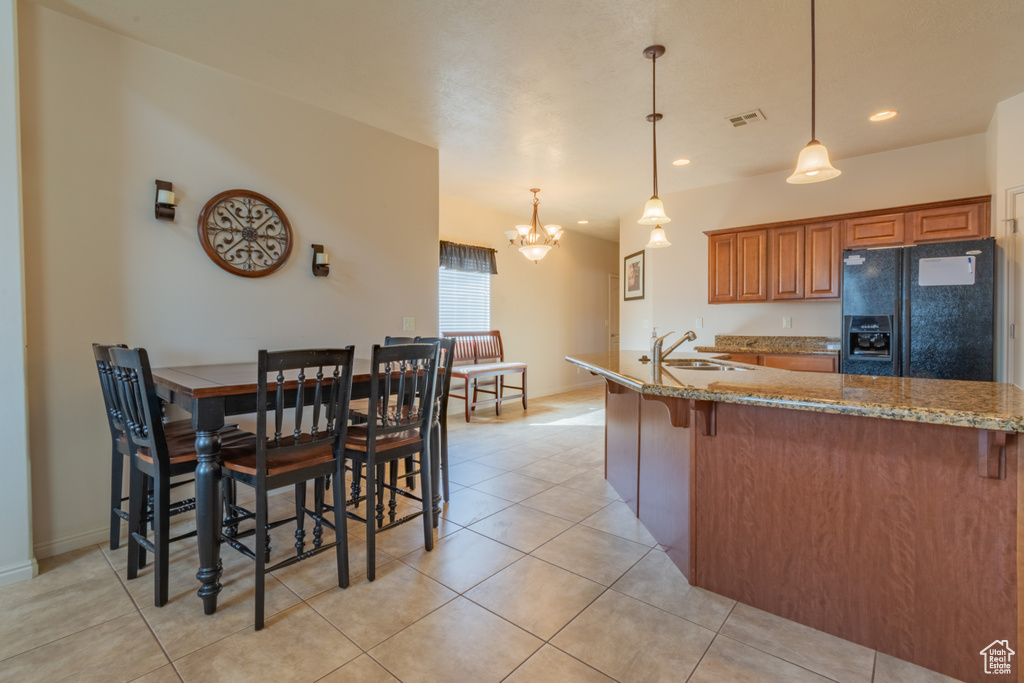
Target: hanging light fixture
x,y
813,165
654,210
529,236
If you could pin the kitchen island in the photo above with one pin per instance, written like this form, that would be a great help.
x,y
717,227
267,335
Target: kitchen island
x,y
882,510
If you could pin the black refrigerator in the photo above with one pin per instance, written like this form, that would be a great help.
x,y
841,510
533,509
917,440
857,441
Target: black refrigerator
x,y
921,311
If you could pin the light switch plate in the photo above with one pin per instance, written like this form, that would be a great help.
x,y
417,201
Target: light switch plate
x,y
699,323
408,324
787,322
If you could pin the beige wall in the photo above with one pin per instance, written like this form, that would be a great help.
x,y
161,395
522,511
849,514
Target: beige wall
x,y
544,310
16,557
677,275
1006,151
102,118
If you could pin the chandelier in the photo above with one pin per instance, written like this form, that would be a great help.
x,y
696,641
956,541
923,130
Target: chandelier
x,y
654,210
530,236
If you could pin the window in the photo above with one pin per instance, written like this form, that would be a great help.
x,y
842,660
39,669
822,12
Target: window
x,y
465,301
464,287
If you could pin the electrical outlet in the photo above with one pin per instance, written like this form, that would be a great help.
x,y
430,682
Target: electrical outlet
x,y
699,323
787,322
408,324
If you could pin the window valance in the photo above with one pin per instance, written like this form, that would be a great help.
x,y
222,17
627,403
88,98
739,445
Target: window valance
x,y
468,258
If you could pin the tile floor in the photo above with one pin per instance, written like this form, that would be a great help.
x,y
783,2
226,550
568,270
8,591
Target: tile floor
x,y
540,573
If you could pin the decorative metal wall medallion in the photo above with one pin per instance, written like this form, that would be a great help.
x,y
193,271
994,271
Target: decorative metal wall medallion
x,y
245,233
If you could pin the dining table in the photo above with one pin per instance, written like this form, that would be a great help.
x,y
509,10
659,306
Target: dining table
x,y
210,393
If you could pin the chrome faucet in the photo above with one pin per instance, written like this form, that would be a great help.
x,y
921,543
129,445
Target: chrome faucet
x,y
657,344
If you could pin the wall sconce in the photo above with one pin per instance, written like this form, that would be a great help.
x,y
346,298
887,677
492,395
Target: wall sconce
x,y
321,261
165,201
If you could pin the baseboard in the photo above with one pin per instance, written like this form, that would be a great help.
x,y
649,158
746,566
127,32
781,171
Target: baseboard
x,y
73,542
21,571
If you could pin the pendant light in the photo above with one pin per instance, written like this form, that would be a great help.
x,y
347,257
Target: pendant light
x,y
813,165
654,210
530,235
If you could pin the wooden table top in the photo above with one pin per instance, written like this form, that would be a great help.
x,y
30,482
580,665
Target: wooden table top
x,y
228,379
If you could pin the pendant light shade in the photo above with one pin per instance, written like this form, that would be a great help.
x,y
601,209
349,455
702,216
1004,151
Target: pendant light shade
x,y
654,213
654,210
813,165
658,239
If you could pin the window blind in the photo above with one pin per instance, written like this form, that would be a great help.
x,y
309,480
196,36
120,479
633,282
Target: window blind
x,y
465,301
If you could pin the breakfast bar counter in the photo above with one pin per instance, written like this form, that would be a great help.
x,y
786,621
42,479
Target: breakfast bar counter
x,y
885,511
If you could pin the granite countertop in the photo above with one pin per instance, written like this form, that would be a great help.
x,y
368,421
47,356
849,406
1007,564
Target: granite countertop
x,y
804,346
983,405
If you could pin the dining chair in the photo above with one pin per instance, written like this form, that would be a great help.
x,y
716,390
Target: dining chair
x,y
157,456
403,382
289,451
446,348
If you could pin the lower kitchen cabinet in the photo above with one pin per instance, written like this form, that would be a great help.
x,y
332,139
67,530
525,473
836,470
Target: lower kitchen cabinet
x,y
802,362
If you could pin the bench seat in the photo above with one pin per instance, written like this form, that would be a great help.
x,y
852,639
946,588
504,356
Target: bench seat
x,y
480,356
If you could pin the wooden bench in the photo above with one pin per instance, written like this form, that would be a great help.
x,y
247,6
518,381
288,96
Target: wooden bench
x,y
480,356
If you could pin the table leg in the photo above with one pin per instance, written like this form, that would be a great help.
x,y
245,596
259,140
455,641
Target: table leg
x,y
208,504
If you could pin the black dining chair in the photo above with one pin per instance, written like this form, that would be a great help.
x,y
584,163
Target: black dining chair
x,y
157,456
403,383
290,450
119,443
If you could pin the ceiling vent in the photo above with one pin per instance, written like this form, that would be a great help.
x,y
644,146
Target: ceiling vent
x,y
746,118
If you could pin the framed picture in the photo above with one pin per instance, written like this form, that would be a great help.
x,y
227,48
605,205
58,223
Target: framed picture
x,y
633,276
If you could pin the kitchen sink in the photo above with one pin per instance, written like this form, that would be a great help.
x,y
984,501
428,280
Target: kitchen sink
x,y
697,364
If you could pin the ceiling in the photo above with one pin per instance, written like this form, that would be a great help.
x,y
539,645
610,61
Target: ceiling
x,y
554,93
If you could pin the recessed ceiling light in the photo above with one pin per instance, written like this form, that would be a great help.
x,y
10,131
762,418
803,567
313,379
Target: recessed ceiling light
x,y
680,162
883,115
583,222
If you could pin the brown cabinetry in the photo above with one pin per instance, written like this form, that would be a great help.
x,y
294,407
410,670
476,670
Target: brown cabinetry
x,y
801,362
751,266
949,223
886,230
802,260
722,268
786,274
823,259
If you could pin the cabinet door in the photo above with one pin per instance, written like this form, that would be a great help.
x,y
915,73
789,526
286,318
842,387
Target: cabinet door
x,y
873,231
751,265
786,259
948,223
722,268
823,261
804,363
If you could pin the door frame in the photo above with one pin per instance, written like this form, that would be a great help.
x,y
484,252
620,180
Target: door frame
x,y
613,300
1006,232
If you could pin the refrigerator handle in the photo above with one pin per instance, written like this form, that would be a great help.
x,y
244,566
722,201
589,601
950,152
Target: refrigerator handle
x,y
905,341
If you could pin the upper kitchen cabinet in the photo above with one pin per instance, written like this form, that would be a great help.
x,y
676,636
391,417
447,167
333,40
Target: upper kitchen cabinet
x,y
823,260
786,274
752,265
802,260
949,223
864,232
722,268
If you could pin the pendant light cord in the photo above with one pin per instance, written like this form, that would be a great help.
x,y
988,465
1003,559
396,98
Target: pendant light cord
x,y
654,120
813,79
